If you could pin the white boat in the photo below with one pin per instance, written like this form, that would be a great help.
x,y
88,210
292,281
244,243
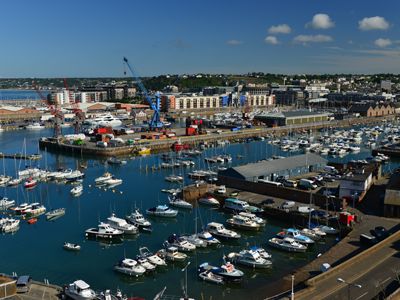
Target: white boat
x,y
287,244
129,267
211,277
305,209
56,213
238,221
296,235
113,181
253,218
250,258
14,182
209,200
145,263
105,120
208,238
71,246
104,231
19,210
74,176
195,240
219,230
62,174
327,229
310,233
227,271
10,225
116,161
6,203
121,224
162,211
77,190
28,172
106,176
173,201
4,179
35,210
35,126
180,243
172,254
174,178
137,219
152,258
79,290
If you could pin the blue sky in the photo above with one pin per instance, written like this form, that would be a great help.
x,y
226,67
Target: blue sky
x,y
49,38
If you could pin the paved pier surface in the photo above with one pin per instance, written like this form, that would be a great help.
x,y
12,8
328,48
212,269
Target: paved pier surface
x,y
40,291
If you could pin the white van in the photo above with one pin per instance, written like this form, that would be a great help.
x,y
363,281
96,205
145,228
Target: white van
x,y
307,184
270,182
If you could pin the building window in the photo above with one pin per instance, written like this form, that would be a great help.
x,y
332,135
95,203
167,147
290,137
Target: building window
x,y
214,102
201,103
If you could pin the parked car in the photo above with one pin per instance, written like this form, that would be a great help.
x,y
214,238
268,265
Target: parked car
x,y
288,204
23,284
268,201
290,183
380,233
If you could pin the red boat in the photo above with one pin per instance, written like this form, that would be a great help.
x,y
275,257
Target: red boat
x,y
178,146
30,183
32,221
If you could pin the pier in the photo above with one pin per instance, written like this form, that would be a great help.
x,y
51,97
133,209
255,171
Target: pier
x,y
21,156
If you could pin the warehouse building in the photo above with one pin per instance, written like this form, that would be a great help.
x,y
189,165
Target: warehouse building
x,y
15,113
392,196
292,118
270,170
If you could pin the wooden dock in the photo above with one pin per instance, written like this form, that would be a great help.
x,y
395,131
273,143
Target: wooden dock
x,y
21,156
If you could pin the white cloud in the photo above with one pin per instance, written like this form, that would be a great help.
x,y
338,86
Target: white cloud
x,y
234,42
271,40
373,23
281,28
382,42
321,21
319,38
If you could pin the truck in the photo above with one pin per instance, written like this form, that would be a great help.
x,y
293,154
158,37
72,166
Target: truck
x,y
307,184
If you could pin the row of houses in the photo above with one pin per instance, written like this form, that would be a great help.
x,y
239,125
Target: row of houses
x,y
372,110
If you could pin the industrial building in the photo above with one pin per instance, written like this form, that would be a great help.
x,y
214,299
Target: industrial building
x,y
392,196
291,117
270,170
16,113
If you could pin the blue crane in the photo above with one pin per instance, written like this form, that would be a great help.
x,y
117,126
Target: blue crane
x,y
155,122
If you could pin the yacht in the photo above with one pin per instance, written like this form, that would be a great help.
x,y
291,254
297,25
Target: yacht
x,y
152,258
180,203
104,231
296,235
172,254
121,224
162,211
106,176
137,219
287,244
106,120
113,181
55,213
79,290
19,210
250,258
35,126
6,203
227,271
209,200
208,238
244,223
180,243
219,230
129,267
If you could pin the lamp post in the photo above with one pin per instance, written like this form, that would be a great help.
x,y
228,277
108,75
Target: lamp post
x,y
292,294
349,285
185,270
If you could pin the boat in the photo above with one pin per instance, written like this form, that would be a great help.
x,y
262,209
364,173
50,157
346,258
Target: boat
x,y
310,233
104,231
152,258
129,267
35,210
180,203
105,120
35,126
4,180
10,225
106,176
211,277
219,230
14,182
79,290
137,219
121,224
74,176
6,203
253,218
172,254
59,176
20,209
208,238
195,240
180,243
287,244
77,190
32,220
226,271
28,172
209,200
55,213
143,262
250,258
30,183
327,229
107,295
113,181
71,246
174,178
162,211
144,151
261,251
296,235
116,161
244,223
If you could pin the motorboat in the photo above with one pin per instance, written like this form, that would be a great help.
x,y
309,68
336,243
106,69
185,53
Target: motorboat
x,y
137,219
263,253
327,229
35,210
14,182
10,225
162,211
287,244
152,258
244,223
113,181
106,176
104,231
4,180
208,238
310,233
56,213
105,120
116,161
121,224
35,126
19,210
30,183
144,262
180,203
77,190
71,246
195,240
209,200
172,254
211,277
59,176
6,203
74,176
236,205
253,218
28,172
180,243
250,258
129,267
305,209
219,230
227,271
174,178
79,290
107,295
296,235
32,221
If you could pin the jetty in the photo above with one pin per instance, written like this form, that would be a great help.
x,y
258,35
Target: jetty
x,y
21,156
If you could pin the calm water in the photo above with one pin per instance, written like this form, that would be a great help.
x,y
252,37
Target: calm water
x,y
20,94
37,249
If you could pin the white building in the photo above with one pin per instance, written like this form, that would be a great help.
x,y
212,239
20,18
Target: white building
x,y
355,185
316,90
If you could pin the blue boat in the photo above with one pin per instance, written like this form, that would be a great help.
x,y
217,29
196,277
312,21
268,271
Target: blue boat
x,y
296,235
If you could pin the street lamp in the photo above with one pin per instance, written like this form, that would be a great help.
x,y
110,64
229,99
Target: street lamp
x,y
292,294
185,270
349,285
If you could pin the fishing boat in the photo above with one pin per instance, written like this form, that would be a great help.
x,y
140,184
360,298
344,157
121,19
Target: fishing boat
x,y
208,238
71,246
172,254
30,183
55,213
137,219
180,243
209,200
121,224
152,258
226,271
162,211
220,231
180,203
6,203
104,231
249,258
240,222
77,190
79,290
106,176
287,244
296,235
129,267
